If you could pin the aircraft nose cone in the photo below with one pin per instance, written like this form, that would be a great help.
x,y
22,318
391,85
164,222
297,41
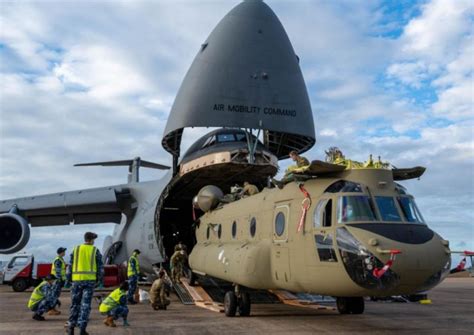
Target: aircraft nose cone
x,y
246,75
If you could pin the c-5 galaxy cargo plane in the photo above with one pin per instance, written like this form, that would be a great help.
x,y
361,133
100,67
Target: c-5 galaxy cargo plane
x,y
332,229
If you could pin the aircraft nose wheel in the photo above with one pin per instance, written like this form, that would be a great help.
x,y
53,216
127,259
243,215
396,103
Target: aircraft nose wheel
x,y
352,305
232,303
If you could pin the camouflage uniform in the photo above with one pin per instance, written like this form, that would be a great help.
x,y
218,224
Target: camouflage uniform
x,y
158,294
177,261
132,280
47,303
59,284
81,294
301,161
121,310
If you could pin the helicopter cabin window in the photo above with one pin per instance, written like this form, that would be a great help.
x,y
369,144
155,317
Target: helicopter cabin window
x,y
344,186
253,227
280,223
354,208
388,209
234,229
324,245
410,210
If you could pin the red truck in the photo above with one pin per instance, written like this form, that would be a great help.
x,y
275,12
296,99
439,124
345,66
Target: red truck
x,y
22,272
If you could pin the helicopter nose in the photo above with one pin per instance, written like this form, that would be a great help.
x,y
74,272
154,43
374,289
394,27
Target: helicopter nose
x,y
381,262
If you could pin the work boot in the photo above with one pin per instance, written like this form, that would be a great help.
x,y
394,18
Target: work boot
x,y
83,332
109,322
54,311
125,323
38,317
69,330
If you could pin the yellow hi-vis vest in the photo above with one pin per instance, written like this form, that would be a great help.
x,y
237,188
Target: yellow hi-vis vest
x,y
63,268
84,266
112,301
37,295
130,271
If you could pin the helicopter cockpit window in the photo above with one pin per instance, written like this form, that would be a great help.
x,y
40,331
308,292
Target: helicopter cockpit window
x,y
344,186
325,248
354,208
400,189
388,209
410,210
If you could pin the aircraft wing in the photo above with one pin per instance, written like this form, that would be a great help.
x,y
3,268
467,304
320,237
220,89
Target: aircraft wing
x,y
97,205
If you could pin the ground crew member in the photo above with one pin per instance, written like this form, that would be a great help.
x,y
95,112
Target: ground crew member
x,y
158,298
132,273
115,306
249,189
42,298
58,269
177,262
85,271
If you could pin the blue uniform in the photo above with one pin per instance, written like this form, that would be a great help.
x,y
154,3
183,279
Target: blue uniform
x,y
133,279
58,285
47,303
81,294
121,310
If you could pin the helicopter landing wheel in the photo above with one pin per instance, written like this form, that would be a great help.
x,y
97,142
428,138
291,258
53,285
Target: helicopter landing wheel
x,y
244,304
352,305
230,303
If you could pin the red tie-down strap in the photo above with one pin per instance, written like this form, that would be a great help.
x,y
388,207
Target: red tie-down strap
x,y
305,205
378,272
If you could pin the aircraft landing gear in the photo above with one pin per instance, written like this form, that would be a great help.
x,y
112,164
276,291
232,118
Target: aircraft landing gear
x,y
237,300
352,305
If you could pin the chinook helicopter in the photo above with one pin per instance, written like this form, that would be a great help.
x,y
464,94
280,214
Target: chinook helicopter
x,y
334,228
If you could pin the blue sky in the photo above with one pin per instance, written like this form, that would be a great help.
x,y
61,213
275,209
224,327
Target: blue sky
x,y
90,81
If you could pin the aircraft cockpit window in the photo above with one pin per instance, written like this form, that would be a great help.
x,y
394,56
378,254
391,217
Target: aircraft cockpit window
x,y
225,138
253,227
234,229
344,186
280,223
241,137
354,208
410,210
210,141
388,209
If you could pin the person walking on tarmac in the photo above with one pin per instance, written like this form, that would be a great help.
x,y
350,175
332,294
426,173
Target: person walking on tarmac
x,y
58,269
85,272
115,306
158,290
42,298
132,273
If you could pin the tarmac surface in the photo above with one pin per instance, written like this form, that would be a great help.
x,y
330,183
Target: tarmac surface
x,y
451,312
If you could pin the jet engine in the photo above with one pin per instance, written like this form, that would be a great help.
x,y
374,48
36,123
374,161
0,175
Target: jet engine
x,y
14,233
